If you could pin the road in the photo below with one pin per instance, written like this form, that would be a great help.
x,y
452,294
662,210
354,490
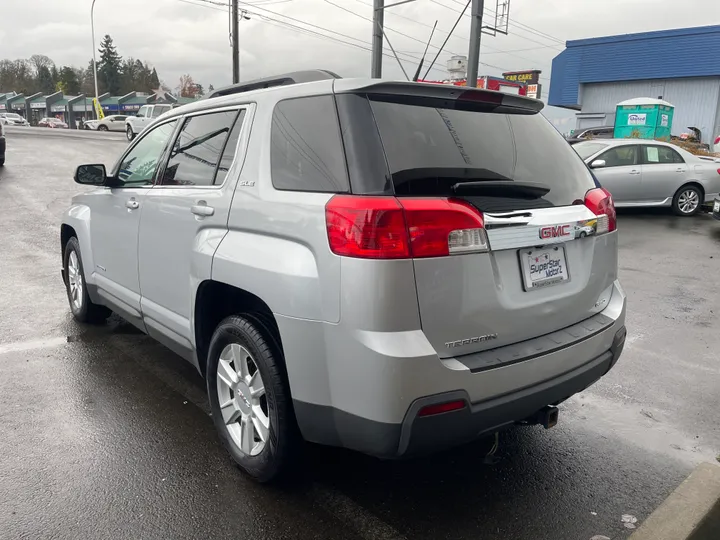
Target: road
x,y
104,433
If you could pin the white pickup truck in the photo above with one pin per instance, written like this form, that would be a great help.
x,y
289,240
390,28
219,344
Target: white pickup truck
x,y
145,116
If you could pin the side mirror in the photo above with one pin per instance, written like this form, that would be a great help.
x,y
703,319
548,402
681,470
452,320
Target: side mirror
x,y
598,164
91,175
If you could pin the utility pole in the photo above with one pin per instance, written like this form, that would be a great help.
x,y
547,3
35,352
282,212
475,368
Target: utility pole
x,y
476,16
377,38
235,42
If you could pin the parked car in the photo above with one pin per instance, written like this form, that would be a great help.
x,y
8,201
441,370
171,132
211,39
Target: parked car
x,y
114,122
147,113
395,277
13,119
652,173
2,144
90,124
603,132
52,123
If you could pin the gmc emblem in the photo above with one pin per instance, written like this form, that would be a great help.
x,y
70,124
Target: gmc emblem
x,y
554,231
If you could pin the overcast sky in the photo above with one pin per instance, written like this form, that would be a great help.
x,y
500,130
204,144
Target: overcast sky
x,y
191,36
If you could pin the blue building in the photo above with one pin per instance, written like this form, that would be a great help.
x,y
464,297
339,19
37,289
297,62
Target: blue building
x,y
681,66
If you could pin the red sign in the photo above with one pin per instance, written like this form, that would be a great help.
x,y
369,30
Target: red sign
x,y
554,231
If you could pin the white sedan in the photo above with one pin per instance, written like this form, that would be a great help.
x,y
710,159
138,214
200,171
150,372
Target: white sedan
x,y
652,173
114,122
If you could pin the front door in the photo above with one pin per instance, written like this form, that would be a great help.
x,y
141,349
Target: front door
x,y
622,174
184,219
664,171
115,222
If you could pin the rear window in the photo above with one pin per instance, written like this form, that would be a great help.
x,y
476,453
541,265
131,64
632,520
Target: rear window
x,y
434,151
587,149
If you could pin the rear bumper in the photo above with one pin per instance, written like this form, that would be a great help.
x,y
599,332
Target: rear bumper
x,y
376,383
418,435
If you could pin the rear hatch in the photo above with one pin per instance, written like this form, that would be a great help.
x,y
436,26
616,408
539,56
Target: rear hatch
x,y
539,263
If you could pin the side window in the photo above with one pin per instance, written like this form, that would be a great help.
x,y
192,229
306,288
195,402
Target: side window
x,y
159,109
620,156
196,153
142,112
139,165
307,152
229,152
660,155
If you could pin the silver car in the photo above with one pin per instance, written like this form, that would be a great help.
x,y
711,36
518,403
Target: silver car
x,y
652,173
389,267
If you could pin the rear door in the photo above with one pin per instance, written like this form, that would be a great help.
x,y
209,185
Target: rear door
x,y
663,172
530,186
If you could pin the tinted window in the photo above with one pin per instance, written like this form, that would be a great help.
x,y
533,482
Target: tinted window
x,y
160,109
229,152
660,154
196,152
620,156
430,150
307,153
587,149
138,167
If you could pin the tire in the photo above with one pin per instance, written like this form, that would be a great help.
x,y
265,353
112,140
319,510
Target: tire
x,y
129,133
687,201
235,339
583,234
102,128
2,162
82,308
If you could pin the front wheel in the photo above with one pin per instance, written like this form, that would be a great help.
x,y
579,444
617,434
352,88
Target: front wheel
x,y
250,399
102,128
687,201
129,133
83,309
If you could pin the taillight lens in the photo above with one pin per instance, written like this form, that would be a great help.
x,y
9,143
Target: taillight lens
x,y
431,410
600,203
391,228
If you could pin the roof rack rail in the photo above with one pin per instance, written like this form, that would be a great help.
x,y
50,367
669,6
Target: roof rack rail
x,y
295,77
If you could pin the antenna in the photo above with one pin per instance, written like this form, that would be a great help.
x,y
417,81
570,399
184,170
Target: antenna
x,y
420,65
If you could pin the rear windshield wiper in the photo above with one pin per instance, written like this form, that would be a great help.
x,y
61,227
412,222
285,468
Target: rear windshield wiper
x,y
502,188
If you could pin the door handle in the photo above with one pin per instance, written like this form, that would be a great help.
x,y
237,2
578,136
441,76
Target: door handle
x,y
634,171
202,209
132,204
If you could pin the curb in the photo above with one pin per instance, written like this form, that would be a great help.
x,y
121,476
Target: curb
x,y
681,515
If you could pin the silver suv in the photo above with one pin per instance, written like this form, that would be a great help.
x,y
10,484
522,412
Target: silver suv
x,y
389,267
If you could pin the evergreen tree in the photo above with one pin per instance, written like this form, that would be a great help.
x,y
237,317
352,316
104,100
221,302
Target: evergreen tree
x,y
45,82
154,80
87,83
68,81
109,67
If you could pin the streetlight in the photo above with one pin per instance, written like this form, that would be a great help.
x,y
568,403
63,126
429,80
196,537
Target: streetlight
x,y
92,26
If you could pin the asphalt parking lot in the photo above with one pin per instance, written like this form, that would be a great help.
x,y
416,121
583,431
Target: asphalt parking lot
x,y
104,433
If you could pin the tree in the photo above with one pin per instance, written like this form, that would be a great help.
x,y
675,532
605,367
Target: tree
x,y
68,81
154,80
109,67
39,61
45,82
130,75
87,82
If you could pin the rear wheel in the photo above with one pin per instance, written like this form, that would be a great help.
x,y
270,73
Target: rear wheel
x,y
83,309
102,128
129,133
2,162
687,201
250,399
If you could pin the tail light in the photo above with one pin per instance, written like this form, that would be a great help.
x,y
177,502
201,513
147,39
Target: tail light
x,y
717,141
431,410
600,203
391,228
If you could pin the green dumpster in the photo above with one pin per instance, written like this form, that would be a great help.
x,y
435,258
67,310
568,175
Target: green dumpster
x,y
643,118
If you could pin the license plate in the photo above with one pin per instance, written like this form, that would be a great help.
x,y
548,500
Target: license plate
x,y
543,267
716,206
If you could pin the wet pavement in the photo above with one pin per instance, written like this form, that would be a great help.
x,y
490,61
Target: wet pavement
x,y
104,433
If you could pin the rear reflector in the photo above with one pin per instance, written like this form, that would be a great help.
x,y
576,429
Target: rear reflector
x,y
392,228
440,408
600,203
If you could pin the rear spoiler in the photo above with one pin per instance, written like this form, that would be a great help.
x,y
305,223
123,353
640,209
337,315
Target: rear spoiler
x,y
508,102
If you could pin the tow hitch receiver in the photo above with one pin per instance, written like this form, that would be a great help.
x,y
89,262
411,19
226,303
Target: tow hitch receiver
x,y
548,416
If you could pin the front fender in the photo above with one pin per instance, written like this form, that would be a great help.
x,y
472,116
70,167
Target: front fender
x,y
78,217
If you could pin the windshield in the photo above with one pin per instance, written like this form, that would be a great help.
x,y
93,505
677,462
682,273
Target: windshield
x,y
436,151
13,116
587,149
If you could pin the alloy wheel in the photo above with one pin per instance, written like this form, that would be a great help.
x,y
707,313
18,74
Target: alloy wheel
x,y
242,399
75,281
688,201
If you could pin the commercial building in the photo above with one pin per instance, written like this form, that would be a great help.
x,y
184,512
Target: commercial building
x,y
73,108
681,66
